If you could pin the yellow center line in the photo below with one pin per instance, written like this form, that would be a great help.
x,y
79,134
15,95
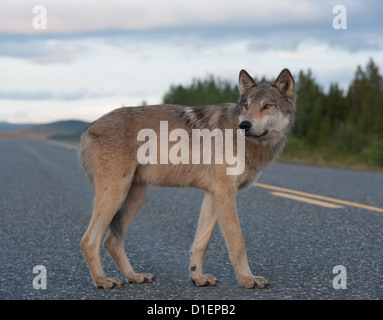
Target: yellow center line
x,y
308,200
305,194
63,144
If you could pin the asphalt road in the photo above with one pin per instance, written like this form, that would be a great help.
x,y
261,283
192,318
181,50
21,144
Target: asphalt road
x,y
46,203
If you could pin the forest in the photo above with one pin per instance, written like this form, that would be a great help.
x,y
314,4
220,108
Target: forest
x,y
338,128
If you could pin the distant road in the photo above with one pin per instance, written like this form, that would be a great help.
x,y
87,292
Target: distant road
x,y
299,222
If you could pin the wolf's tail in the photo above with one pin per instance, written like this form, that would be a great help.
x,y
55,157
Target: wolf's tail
x,y
86,155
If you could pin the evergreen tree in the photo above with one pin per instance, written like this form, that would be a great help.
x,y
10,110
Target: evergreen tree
x,y
366,98
309,108
202,92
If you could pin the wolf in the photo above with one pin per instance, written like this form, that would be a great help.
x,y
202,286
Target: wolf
x,y
264,114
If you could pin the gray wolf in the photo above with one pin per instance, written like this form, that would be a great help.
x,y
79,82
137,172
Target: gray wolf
x,y
109,147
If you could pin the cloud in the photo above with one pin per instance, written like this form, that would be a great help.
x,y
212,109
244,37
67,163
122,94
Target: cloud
x,y
291,38
89,15
268,25
37,50
124,52
49,95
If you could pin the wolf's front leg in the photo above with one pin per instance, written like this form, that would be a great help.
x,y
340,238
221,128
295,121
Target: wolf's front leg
x,y
206,224
226,209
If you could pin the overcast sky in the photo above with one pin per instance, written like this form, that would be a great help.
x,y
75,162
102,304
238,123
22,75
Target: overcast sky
x,y
97,55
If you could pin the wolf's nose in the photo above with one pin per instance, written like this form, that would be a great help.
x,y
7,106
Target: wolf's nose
x,y
246,125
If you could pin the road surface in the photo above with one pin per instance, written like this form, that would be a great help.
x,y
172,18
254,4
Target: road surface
x,y
299,222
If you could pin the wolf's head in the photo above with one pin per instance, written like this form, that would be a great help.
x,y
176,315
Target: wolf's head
x,y
266,112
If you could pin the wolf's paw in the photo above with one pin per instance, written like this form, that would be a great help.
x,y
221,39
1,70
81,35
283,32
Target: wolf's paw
x,y
140,278
204,280
108,283
253,282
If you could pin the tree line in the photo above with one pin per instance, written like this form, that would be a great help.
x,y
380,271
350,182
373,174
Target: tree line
x,y
339,127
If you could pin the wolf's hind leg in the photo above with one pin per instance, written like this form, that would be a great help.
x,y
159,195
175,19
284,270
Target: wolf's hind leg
x,y
206,224
114,241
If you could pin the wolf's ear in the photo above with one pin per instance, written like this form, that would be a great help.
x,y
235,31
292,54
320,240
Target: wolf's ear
x,y
245,82
285,83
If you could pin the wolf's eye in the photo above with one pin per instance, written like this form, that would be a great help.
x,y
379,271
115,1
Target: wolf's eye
x,y
246,106
267,106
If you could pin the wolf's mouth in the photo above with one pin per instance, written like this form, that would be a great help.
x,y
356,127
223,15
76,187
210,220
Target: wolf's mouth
x,y
258,136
